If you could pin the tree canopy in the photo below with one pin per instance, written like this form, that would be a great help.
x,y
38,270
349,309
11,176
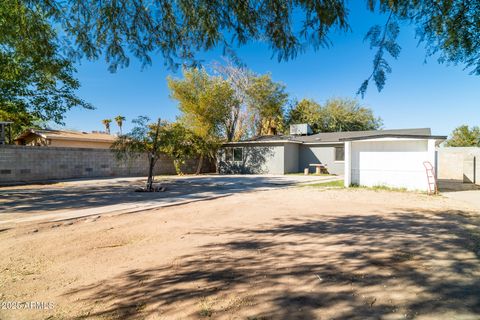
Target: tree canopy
x,y
36,79
335,115
179,29
266,103
347,115
463,136
178,143
41,39
203,100
305,111
205,103
239,78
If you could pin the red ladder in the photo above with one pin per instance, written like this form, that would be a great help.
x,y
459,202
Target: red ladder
x,y
432,182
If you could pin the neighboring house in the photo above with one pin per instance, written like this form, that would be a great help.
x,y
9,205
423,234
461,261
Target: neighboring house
x,y
60,138
383,157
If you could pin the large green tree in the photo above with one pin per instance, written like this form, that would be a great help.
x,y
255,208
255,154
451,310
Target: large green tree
x,y
463,136
178,29
266,103
305,111
36,79
205,103
239,78
347,115
335,115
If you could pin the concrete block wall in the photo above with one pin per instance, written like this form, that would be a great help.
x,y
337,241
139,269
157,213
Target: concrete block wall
x,y
29,164
459,164
477,169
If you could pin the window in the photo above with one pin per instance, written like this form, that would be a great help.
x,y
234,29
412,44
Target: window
x,y
237,154
339,154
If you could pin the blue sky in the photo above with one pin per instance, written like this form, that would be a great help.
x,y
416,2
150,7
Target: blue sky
x,y
417,93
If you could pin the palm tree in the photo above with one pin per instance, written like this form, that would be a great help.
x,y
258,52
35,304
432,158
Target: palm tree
x,y
119,120
106,123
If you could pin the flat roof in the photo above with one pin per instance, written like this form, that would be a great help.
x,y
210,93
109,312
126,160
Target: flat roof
x,y
261,142
342,136
398,136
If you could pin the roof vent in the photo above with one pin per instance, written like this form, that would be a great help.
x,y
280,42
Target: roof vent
x,y
302,129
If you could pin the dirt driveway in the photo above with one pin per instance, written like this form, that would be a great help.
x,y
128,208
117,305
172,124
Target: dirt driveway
x,y
298,253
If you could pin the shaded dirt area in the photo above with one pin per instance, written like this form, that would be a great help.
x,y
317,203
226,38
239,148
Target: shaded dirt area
x,y
67,196
300,253
18,201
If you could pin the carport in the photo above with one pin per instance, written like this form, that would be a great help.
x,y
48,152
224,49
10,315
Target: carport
x,y
390,160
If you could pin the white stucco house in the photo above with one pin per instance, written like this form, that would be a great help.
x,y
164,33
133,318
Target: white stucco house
x,y
393,158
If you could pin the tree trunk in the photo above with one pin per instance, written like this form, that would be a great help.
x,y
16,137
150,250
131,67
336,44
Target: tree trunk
x,y
152,159
150,173
200,164
230,133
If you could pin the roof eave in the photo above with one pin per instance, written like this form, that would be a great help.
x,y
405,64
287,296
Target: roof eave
x,y
398,136
322,142
28,132
80,139
261,142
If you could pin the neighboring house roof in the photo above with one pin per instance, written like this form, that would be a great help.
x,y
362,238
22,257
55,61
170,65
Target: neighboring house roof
x,y
68,135
338,137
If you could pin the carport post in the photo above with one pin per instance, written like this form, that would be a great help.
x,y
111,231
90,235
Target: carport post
x,y
348,164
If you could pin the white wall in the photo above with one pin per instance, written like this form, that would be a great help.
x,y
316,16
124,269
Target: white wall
x,y
394,163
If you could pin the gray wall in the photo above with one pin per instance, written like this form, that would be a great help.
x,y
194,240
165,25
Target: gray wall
x,y
458,164
291,157
280,158
28,163
321,153
257,159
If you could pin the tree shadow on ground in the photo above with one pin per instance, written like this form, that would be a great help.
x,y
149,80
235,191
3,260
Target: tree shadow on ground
x,y
402,265
122,192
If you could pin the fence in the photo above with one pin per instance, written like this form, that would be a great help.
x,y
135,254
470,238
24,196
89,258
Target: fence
x,y
459,164
28,164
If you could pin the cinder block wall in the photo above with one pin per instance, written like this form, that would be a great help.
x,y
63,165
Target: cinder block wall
x,y
28,164
457,164
477,169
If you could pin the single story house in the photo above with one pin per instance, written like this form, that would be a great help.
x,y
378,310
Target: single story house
x,y
61,138
392,158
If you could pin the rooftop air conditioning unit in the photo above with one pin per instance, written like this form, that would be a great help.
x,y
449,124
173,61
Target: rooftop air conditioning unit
x,y
302,129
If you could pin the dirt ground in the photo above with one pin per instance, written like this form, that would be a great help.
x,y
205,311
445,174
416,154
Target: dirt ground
x,y
297,253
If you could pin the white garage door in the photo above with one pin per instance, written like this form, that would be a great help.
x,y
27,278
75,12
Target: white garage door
x,y
390,163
